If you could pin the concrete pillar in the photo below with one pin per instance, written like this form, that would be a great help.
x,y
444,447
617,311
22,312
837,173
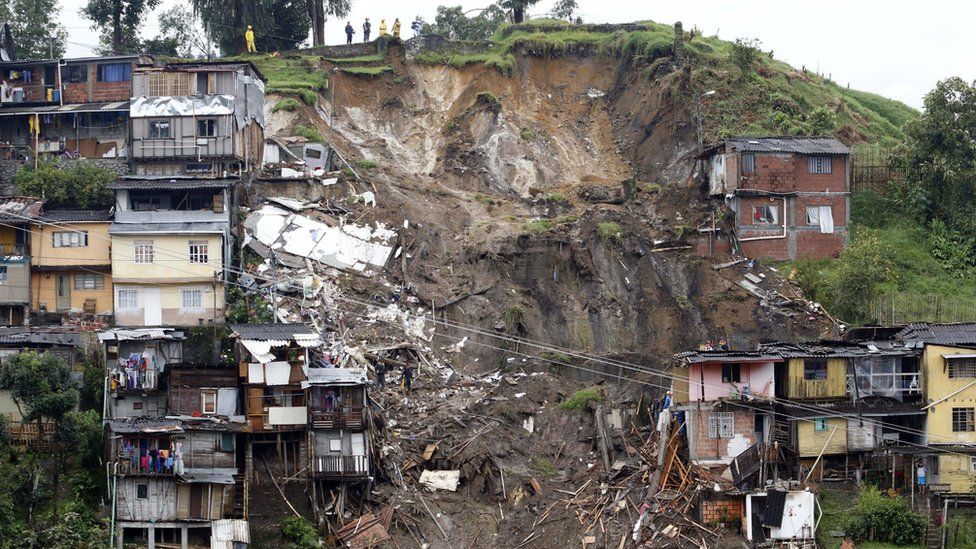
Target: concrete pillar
x,y
151,537
184,538
118,536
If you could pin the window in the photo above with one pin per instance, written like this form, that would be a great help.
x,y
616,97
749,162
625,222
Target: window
x,y
226,442
89,281
962,367
313,153
192,299
143,204
70,239
142,491
730,373
127,298
208,401
199,167
206,127
963,420
3,272
159,129
720,425
167,83
144,251
972,464
819,164
115,72
74,74
765,215
198,251
816,213
820,424
815,368
748,164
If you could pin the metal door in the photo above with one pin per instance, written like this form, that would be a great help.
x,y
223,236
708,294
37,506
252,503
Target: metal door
x,y
153,307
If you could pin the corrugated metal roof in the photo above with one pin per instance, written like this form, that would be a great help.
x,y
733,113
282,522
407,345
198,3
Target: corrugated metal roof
x,y
962,333
699,357
76,216
230,530
867,406
793,144
171,183
145,425
113,106
196,227
14,209
217,475
830,349
270,332
21,335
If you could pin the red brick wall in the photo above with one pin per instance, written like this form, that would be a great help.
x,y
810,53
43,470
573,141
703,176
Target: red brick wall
x,y
78,92
705,448
786,172
723,510
802,240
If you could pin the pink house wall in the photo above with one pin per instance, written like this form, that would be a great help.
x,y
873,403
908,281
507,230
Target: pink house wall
x,y
757,376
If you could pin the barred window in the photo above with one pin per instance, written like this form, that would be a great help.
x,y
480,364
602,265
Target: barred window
x,y
721,425
748,164
962,367
192,299
145,252
127,298
159,84
70,239
89,281
819,164
963,420
199,251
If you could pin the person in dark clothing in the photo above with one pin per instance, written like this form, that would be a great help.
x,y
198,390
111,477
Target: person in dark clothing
x,y
407,376
381,375
366,28
349,32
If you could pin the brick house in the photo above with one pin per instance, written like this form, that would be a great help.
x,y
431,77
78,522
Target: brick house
x,y
790,195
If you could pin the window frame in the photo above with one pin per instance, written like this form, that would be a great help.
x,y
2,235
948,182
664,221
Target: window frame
x,y
97,281
209,125
815,362
63,239
749,164
820,424
818,209
3,273
127,73
820,164
131,294
721,425
222,447
144,252
731,372
68,72
142,491
208,401
196,297
772,219
963,420
953,366
155,124
197,256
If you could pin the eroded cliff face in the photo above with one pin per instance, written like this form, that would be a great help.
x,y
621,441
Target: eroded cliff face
x,y
556,204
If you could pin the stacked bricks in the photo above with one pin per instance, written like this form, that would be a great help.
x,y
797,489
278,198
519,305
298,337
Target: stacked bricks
x,y
728,511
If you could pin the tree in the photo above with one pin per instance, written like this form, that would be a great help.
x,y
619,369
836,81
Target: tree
x,y
744,53
822,121
118,21
939,156
454,24
278,24
517,8
179,34
564,9
83,185
318,12
36,29
864,265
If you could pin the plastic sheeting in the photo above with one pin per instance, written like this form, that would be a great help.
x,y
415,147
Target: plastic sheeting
x,y
261,350
277,373
882,376
287,415
182,105
226,401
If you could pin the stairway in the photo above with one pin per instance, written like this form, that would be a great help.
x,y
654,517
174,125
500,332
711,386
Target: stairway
x,y
933,533
240,497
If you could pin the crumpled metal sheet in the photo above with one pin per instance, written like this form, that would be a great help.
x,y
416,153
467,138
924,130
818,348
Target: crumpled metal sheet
x,y
182,105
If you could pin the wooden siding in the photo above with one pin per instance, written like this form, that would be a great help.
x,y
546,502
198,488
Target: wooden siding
x,y
810,442
160,504
201,450
835,386
185,385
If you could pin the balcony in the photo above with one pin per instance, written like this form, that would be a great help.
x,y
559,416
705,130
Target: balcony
x,y
170,216
340,466
15,252
348,418
127,464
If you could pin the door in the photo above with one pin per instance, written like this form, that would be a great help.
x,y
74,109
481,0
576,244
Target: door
x,y
64,292
153,307
759,426
196,501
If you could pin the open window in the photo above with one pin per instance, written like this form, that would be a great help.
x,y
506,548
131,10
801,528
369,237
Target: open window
x,y
766,214
208,401
815,368
731,373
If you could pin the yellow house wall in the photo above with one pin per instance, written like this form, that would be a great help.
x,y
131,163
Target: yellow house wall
x,y
7,235
44,291
956,471
811,441
938,385
834,386
171,262
44,254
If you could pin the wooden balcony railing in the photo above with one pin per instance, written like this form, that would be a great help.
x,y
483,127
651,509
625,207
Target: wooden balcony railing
x,y
349,417
341,466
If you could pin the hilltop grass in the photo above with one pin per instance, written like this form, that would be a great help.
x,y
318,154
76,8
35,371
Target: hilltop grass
x,y
366,72
374,58
290,74
581,399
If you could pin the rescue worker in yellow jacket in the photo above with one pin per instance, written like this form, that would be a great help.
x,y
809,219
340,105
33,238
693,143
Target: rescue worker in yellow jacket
x,y
383,31
249,38
396,28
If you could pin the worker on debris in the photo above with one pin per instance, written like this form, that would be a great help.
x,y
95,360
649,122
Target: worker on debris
x,y
407,376
349,32
396,28
367,26
381,375
249,38
383,28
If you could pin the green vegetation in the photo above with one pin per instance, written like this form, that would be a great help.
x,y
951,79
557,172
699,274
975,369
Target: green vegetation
x,y
488,99
609,232
514,317
287,104
878,517
527,134
300,533
544,466
555,197
555,356
368,164
581,399
77,185
961,529
366,72
290,74
537,226
309,132
374,58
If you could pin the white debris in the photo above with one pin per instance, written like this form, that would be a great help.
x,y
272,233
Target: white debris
x,y
441,480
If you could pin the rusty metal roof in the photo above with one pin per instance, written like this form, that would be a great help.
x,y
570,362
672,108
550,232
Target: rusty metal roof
x,y
786,144
20,209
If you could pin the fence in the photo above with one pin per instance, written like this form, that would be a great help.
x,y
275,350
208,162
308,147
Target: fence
x,y
904,308
871,170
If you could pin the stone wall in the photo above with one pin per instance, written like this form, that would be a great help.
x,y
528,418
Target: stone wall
x,y
9,168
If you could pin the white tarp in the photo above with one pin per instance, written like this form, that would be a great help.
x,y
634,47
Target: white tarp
x,y
181,105
350,246
337,376
226,401
441,480
287,415
255,372
277,373
261,350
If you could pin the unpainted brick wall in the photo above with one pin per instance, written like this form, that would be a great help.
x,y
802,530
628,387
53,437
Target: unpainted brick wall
x,y
728,511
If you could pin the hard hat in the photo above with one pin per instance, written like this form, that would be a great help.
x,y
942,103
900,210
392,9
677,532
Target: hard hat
x,y
249,27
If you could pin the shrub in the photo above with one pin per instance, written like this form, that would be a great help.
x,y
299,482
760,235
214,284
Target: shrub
x,y
309,132
877,517
308,96
744,53
300,533
862,267
81,185
581,399
609,231
556,357
822,121
367,164
287,104
537,226
527,134
544,466
514,317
